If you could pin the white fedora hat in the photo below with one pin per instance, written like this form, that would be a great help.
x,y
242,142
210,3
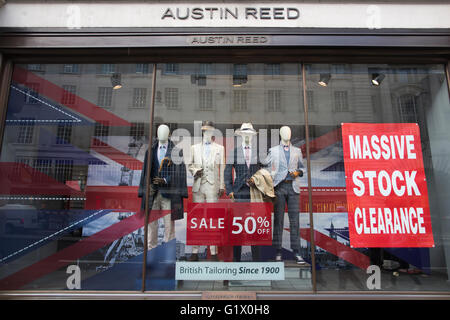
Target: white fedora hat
x,y
246,128
207,125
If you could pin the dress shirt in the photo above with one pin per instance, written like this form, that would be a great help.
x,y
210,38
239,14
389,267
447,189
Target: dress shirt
x,y
206,149
248,157
162,149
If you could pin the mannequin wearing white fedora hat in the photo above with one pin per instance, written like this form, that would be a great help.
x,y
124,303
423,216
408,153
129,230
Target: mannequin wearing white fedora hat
x,y
207,166
245,163
246,130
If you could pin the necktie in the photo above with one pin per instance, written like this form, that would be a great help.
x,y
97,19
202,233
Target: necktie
x,y
247,155
286,147
162,153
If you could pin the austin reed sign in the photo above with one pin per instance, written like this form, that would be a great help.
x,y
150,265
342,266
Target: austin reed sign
x,y
230,13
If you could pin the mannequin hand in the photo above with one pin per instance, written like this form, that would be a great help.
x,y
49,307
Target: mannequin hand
x,y
198,174
297,173
250,182
158,181
221,192
231,195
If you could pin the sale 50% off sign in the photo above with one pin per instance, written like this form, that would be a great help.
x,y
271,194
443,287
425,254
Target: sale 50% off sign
x,y
229,223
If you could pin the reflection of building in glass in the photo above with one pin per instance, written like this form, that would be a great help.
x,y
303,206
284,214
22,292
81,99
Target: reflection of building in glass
x,y
268,95
341,233
225,93
325,259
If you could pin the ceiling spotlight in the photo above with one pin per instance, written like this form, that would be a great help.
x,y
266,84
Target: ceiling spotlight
x,y
239,80
116,81
324,79
377,78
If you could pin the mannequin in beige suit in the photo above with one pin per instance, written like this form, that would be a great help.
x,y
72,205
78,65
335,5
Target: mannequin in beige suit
x,y
207,166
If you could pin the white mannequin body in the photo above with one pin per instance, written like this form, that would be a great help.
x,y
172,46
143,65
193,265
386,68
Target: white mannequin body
x,y
286,191
208,171
159,202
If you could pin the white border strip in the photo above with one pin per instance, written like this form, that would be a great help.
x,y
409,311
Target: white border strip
x,y
77,15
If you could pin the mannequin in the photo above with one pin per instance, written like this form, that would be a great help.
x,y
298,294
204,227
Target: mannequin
x,y
168,186
245,164
163,136
285,162
207,167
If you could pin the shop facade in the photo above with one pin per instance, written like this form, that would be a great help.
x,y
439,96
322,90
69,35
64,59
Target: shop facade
x,y
90,90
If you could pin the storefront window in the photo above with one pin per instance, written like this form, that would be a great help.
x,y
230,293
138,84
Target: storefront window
x,y
72,154
380,247
224,239
223,177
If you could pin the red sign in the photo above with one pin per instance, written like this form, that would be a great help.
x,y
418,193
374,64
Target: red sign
x,y
229,223
386,187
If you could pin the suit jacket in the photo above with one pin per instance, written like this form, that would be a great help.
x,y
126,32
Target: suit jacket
x,y
241,171
175,175
213,167
279,168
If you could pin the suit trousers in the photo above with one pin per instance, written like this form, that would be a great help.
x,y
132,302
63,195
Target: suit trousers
x,y
206,193
243,195
161,203
285,194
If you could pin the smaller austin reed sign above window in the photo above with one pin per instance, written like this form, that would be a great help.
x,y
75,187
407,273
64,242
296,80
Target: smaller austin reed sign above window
x,y
232,13
219,40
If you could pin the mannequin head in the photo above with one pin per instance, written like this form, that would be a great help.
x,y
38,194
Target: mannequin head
x,y
163,133
285,134
247,138
246,132
208,130
207,135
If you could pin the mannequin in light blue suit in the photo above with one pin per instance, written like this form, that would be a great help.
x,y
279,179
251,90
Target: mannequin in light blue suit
x,y
285,164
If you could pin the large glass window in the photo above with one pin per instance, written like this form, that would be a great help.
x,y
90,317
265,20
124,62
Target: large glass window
x,y
398,257
213,112
223,177
71,159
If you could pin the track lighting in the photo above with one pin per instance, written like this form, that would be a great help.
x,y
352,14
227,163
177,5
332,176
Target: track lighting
x,y
324,79
377,78
239,80
116,81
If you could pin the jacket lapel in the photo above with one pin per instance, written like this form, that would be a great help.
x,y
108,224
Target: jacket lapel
x,y
240,155
155,164
291,157
169,149
282,155
199,153
212,152
254,157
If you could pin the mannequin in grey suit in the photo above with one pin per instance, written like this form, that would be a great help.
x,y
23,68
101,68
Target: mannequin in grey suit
x,y
286,167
